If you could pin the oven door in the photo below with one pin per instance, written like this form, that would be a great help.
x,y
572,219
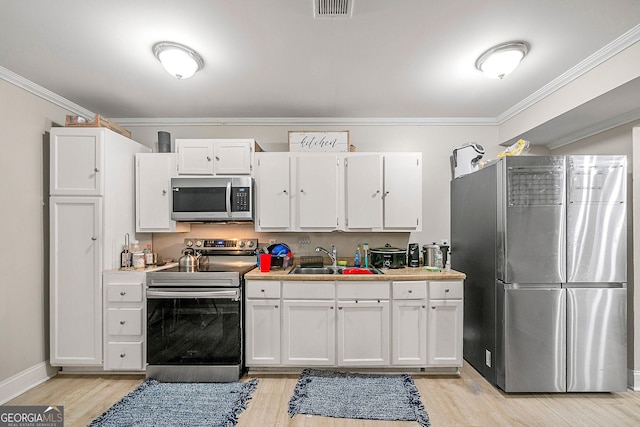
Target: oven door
x,y
212,199
194,326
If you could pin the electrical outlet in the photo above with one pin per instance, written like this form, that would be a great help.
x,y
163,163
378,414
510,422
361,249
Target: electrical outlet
x,y
303,240
272,241
487,358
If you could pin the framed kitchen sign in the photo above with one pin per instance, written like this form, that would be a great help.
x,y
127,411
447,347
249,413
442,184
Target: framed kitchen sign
x,y
309,141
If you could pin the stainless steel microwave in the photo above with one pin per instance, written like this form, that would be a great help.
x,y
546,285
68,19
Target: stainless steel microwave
x,y
212,199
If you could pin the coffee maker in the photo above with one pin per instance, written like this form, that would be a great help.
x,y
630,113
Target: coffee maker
x,y
413,255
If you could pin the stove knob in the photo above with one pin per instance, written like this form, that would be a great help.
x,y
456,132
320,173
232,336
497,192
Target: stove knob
x,y
241,244
199,243
250,244
189,243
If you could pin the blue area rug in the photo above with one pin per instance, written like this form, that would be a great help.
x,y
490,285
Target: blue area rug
x,y
360,396
179,404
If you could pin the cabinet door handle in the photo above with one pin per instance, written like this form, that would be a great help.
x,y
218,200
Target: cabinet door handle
x,y
208,159
94,238
122,355
164,192
302,190
285,191
96,170
122,322
217,158
123,293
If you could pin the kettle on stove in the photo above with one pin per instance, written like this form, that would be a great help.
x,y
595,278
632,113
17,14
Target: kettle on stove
x,y
188,261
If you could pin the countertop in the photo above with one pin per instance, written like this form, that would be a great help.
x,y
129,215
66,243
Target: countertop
x,y
146,269
406,273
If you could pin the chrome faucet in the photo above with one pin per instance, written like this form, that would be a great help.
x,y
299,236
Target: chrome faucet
x,y
333,254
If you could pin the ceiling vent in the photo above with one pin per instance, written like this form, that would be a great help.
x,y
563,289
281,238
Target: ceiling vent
x,y
332,8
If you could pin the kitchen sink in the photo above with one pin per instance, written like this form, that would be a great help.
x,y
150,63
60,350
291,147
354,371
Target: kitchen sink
x,y
332,270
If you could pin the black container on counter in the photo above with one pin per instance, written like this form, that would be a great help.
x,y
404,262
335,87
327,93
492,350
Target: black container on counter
x,y
413,255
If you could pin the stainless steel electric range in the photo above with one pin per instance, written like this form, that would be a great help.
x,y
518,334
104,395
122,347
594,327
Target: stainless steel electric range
x,y
195,318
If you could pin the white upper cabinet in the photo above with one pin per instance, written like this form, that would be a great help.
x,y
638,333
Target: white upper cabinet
x,y
339,191
403,191
317,191
215,156
363,192
272,180
77,164
153,193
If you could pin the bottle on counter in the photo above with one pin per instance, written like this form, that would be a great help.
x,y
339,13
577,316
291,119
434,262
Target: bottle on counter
x,y
438,259
365,250
125,257
356,258
135,246
149,256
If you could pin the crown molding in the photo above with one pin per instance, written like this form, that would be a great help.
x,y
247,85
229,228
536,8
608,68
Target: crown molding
x,y
612,49
305,121
44,93
595,129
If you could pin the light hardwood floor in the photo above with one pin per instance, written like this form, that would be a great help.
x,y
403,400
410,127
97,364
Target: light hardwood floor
x,y
465,400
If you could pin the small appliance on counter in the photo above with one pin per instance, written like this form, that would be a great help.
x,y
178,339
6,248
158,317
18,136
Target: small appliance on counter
x,y
413,255
388,257
466,159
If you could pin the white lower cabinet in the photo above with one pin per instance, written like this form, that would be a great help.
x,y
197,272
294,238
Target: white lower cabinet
x,y
363,323
308,323
445,323
262,323
415,324
409,320
124,321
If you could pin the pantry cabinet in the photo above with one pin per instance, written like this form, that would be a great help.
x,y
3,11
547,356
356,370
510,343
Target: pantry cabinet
x,y
215,156
153,193
92,207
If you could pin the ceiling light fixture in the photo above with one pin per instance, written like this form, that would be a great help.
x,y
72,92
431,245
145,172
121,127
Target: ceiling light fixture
x,y
502,59
179,60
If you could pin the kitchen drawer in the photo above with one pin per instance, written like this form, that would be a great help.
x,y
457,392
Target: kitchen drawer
x,y
449,289
409,290
362,290
308,290
125,356
124,321
124,292
262,289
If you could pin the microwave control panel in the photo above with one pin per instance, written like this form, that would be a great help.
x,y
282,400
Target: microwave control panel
x,y
240,199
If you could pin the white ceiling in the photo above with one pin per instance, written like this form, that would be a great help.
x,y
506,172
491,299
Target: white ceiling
x,y
272,59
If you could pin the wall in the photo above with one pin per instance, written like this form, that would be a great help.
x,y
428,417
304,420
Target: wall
x,y
436,144
619,141
24,304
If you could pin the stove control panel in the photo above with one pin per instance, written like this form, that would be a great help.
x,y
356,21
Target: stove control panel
x,y
221,244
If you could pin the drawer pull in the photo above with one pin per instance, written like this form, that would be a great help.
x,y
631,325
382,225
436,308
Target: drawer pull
x,y
261,290
276,306
433,307
122,322
123,355
331,308
410,291
446,290
123,293
424,306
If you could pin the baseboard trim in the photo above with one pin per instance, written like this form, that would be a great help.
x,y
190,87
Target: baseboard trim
x,y
26,380
633,379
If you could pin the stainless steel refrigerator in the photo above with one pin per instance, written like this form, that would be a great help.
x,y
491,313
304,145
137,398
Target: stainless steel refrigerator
x,y
542,240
